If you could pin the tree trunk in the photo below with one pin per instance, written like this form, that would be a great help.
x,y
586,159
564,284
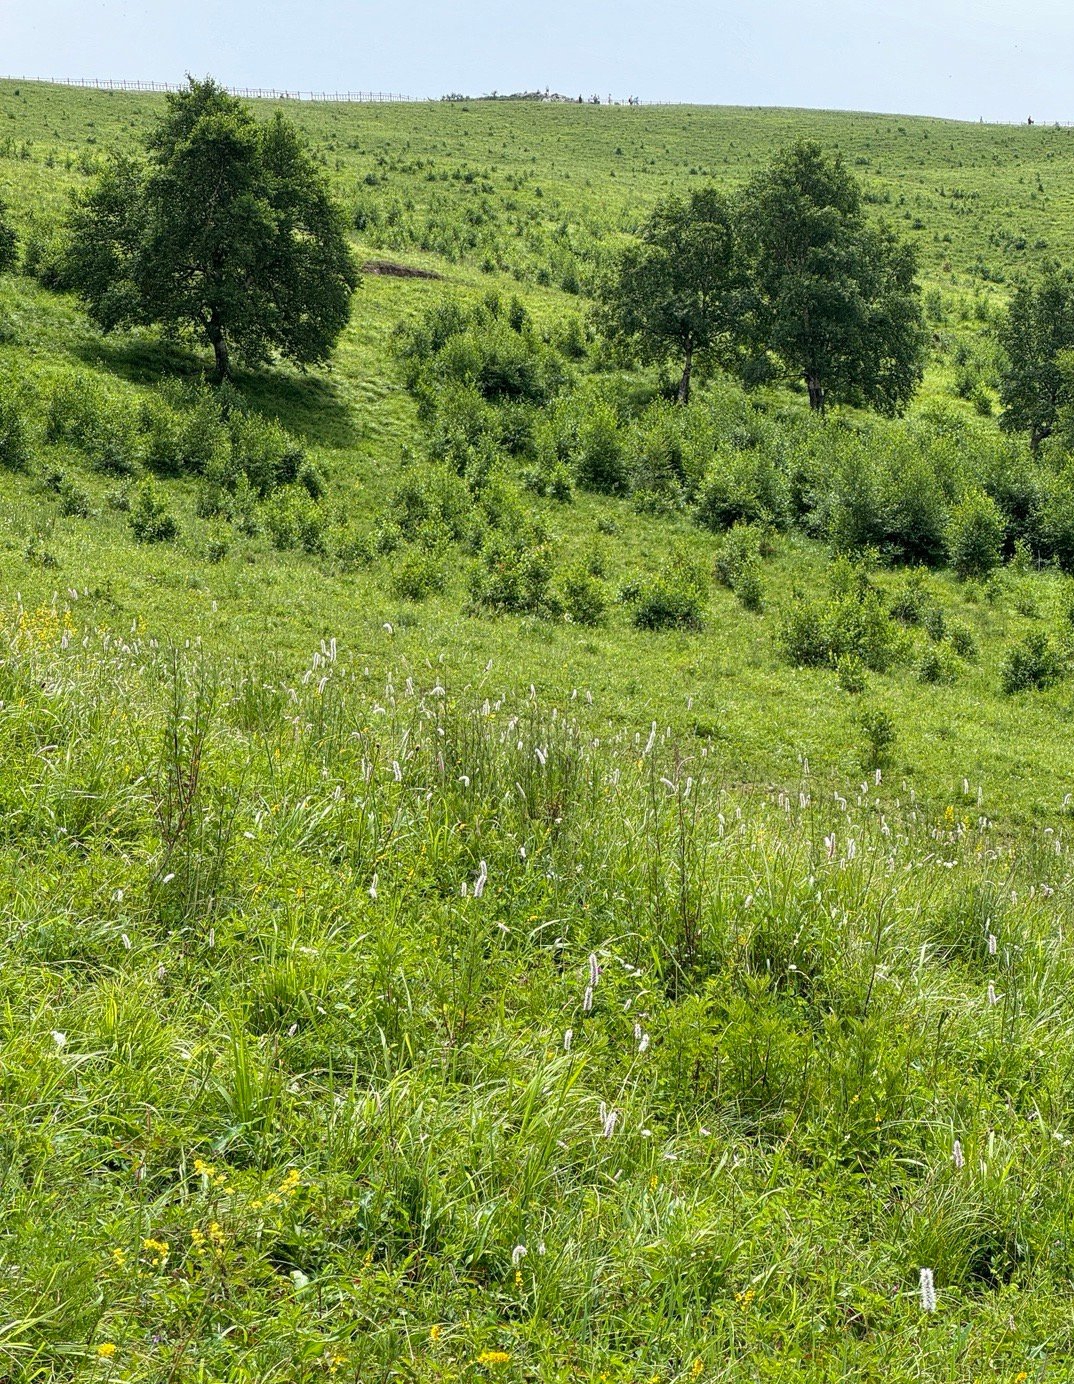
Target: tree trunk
x,y
684,383
215,333
816,392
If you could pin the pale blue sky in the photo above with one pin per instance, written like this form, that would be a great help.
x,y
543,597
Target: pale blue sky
x,y
963,58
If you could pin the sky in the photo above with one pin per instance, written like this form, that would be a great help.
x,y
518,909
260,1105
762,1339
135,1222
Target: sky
x,y
967,59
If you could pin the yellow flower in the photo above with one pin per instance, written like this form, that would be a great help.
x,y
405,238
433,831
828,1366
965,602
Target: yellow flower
x,y
435,1332
518,1278
697,1368
291,1183
106,1350
120,1258
493,1357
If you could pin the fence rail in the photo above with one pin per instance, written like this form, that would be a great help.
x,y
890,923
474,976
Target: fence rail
x,y
252,93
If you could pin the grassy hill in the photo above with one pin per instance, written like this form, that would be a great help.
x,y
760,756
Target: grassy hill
x,y
418,967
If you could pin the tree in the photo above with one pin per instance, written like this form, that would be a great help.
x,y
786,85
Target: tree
x,y
225,231
1036,385
674,291
833,296
9,241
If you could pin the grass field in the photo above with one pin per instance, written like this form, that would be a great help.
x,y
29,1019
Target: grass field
x,y
402,981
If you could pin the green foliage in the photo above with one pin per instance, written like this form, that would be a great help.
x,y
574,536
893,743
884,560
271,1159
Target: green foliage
x,y
600,460
834,296
15,451
738,564
150,519
1033,335
673,292
1032,664
853,621
514,571
879,733
227,233
673,598
9,242
418,574
975,536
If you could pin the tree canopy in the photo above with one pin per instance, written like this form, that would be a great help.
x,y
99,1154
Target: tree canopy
x,y
225,230
1036,335
674,291
834,298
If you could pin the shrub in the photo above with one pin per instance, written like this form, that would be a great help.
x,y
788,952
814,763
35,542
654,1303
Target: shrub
x,y
431,501
600,462
584,594
150,520
963,641
853,620
293,520
420,573
975,536
514,571
738,565
1033,664
879,733
74,502
14,441
937,665
672,599
851,674
742,486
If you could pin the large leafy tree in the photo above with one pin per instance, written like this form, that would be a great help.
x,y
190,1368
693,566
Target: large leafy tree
x,y
834,297
1036,336
225,230
673,291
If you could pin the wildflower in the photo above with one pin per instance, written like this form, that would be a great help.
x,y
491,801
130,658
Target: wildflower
x,y
697,1368
957,1156
993,998
435,1332
494,1357
928,1291
609,1120
991,944
106,1350
594,970
290,1184
517,1254
481,880
157,1250
587,999
119,1258
568,1039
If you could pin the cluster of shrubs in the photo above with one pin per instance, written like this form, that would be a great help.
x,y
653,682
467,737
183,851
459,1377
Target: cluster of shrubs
x,y
858,628
249,472
937,489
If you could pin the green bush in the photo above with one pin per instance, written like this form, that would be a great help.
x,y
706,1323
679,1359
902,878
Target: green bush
x,y
674,598
975,535
149,518
584,595
738,565
514,571
600,461
1032,664
854,620
418,574
14,438
742,487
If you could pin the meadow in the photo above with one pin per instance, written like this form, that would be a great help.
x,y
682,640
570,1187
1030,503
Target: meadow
x,y
507,878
